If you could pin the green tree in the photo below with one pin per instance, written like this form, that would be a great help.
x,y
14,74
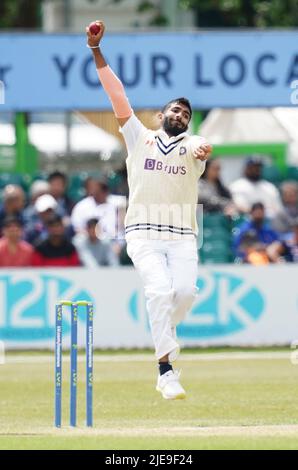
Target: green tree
x,y
243,13
231,13
25,14
145,6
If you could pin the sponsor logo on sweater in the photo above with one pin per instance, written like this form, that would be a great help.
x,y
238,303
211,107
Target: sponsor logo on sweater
x,y
151,164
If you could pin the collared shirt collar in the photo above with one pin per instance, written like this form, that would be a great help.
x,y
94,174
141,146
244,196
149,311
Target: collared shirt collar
x,y
163,135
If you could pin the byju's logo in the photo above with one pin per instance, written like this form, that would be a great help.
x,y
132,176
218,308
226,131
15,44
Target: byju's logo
x,y
226,304
28,305
149,164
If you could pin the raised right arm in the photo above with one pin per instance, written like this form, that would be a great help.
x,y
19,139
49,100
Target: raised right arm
x,y
110,82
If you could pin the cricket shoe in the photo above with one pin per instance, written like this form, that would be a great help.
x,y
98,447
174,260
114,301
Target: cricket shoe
x,y
169,386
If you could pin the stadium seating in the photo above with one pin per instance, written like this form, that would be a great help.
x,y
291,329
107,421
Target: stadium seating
x,y
218,228
292,173
272,174
8,178
216,246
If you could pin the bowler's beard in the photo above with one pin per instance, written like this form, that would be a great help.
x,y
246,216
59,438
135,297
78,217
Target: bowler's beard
x,y
171,129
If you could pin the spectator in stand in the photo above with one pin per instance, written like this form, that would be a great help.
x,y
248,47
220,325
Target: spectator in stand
x,y
38,188
96,206
289,248
254,252
258,230
14,252
45,207
214,196
90,185
251,188
283,221
93,250
56,249
13,203
58,189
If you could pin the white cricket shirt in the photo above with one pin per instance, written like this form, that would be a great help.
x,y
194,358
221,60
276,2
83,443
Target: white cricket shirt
x,y
162,179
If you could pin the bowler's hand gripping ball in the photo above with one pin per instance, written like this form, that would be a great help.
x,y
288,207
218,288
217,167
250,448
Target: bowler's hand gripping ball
x,y
94,28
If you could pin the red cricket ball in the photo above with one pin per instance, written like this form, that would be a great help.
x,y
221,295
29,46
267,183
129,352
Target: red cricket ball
x,y
94,28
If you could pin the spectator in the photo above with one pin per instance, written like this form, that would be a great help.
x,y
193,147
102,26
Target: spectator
x,y
283,221
289,249
264,236
13,203
14,252
58,188
251,188
254,251
96,206
92,249
38,188
45,207
90,185
55,250
214,196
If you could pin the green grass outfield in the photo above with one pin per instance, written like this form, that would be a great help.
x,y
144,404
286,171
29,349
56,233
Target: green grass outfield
x,y
235,400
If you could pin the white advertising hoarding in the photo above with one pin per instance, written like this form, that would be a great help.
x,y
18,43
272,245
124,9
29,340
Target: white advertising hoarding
x,y
236,305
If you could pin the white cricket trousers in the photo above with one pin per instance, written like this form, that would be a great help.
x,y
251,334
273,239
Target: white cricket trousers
x,y
169,271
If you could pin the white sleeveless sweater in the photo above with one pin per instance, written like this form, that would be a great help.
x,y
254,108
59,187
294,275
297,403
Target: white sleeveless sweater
x,y
163,183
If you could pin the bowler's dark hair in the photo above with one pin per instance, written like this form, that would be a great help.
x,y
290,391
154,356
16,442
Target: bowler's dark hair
x,y
183,101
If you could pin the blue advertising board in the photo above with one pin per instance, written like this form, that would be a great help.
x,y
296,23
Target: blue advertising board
x,y
212,69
